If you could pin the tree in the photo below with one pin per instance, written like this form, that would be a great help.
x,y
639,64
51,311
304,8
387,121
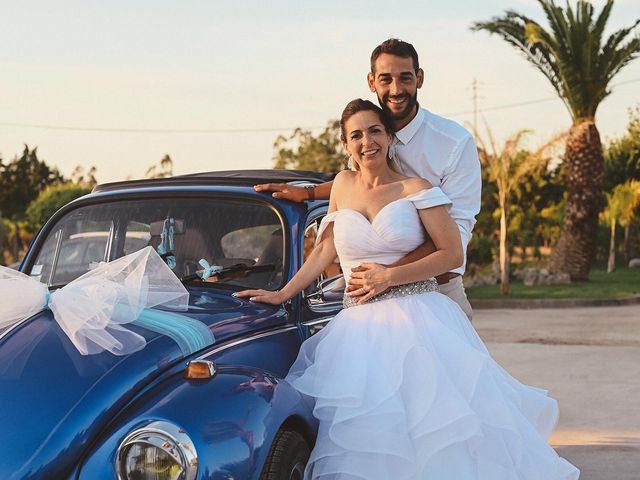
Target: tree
x,y
88,179
20,182
622,156
163,170
580,64
323,153
51,199
480,248
622,203
507,166
622,163
537,200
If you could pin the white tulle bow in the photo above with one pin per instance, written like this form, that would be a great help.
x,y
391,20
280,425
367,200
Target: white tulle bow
x,y
93,309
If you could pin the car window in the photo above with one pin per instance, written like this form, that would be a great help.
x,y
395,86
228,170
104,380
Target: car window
x,y
223,232
324,296
137,236
310,237
72,248
260,244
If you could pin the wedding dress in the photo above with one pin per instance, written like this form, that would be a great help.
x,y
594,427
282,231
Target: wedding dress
x,y
405,389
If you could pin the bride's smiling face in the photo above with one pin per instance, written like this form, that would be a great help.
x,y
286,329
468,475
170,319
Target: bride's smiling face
x,y
366,139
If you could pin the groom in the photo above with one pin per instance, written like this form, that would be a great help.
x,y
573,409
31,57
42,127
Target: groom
x,y
427,146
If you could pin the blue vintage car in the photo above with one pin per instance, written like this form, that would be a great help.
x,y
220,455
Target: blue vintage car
x,y
169,411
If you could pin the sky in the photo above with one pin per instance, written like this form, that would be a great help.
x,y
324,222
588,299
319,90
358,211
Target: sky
x,y
119,84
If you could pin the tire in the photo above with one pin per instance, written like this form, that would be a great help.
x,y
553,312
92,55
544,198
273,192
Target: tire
x,y
287,457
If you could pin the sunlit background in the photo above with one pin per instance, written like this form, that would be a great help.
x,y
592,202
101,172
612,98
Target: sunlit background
x,y
119,84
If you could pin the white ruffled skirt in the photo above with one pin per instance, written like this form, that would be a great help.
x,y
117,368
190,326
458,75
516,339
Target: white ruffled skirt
x,y
405,389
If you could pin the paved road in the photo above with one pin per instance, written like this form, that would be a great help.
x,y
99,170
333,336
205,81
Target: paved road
x,y
589,360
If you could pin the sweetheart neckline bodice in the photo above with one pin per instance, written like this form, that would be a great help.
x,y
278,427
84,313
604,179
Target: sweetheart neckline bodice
x,y
392,233
407,198
373,220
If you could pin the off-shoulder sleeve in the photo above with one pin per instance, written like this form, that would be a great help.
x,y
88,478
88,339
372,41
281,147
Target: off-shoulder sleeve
x,y
430,197
326,221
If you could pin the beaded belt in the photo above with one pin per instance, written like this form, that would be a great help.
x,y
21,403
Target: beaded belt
x,y
424,286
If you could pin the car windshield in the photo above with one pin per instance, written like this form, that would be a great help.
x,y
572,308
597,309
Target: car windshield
x,y
224,232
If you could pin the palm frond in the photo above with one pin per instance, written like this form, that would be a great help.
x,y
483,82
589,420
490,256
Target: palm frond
x,y
570,52
601,22
527,36
615,55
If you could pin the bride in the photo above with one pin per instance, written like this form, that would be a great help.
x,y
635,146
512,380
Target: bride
x,y
403,386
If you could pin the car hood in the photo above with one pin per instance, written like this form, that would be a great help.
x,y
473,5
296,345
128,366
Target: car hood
x,y
54,401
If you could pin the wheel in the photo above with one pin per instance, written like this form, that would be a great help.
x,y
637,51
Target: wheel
x,y
287,457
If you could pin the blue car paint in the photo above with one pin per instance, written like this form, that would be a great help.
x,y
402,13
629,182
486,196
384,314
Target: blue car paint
x,y
85,391
232,418
64,414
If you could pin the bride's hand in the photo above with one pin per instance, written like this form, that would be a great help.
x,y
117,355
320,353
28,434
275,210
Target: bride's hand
x,y
262,296
368,280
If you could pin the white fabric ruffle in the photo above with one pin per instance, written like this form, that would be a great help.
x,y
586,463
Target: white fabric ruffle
x,y
427,198
94,309
20,296
404,389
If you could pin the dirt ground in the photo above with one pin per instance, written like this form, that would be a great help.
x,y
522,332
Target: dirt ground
x,y
589,360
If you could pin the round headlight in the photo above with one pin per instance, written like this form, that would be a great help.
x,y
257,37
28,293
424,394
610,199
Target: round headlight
x,y
159,451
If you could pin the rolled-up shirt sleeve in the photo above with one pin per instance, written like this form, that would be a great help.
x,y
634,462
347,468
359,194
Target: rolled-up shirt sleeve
x,y
463,185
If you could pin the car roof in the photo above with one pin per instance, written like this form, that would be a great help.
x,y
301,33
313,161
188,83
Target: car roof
x,y
225,177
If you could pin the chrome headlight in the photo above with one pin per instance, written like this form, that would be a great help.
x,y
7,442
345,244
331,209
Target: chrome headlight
x,y
159,451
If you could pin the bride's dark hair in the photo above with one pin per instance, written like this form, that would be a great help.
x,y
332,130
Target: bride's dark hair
x,y
359,105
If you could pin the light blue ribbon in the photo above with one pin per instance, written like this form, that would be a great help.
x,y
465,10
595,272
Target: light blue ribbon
x,y
190,334
208,270
166,242
47,299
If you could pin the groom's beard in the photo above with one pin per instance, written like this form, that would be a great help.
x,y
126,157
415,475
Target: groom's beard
x,y
411,103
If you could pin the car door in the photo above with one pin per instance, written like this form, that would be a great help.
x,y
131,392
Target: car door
x,y
322,300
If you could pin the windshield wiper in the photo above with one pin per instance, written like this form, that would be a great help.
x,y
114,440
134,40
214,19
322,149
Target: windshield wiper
x,y
239,270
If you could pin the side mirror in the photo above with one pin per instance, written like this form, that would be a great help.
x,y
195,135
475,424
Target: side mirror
x,y
329,290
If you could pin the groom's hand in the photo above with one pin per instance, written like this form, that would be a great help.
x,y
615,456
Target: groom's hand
x,y
284,191
368,280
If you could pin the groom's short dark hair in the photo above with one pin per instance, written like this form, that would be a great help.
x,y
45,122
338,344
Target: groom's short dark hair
x,y
396,47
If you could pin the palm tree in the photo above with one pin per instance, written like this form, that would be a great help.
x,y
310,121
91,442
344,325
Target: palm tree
x,y
507,166
610,216
622,203
629,214
580,64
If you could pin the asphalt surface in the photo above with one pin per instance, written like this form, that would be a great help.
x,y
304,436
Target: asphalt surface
x,y
589,360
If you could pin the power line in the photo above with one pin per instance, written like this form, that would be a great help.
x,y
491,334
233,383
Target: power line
x,y
266,129
151,130
502,107
526,102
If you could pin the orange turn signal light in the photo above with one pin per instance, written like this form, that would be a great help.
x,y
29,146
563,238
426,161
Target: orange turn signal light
x,y
199,369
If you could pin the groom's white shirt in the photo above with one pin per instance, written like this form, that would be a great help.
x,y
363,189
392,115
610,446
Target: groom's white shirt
x,y
444,153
